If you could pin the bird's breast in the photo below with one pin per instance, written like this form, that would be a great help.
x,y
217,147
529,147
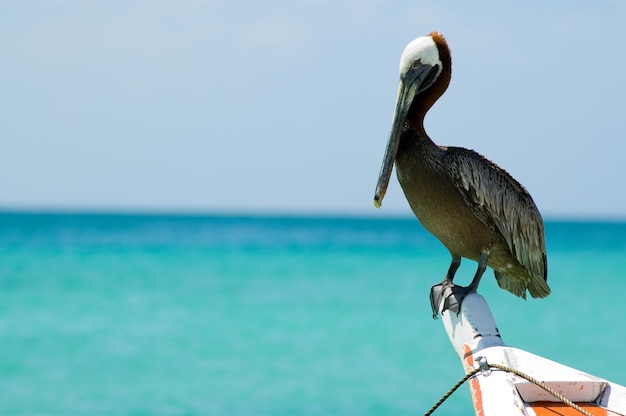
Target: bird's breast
x,y
439,206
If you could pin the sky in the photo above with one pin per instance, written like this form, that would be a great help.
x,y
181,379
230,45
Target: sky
x,y
285,106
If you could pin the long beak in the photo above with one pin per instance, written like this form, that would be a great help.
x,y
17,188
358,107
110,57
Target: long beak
x,y
406,93
415,80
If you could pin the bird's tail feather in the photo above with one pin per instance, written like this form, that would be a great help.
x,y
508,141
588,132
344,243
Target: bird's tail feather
x,y
512,285
537,286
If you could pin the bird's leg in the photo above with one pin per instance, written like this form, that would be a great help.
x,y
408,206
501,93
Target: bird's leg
x,y
445,288
482,266
452,294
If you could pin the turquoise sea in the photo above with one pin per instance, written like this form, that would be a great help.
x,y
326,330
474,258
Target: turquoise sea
x,y
233,315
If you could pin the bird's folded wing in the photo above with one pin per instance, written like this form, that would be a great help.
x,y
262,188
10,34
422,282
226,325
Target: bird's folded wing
x,y
502,203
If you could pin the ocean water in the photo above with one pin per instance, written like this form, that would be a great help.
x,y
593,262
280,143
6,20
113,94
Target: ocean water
x,y
219,315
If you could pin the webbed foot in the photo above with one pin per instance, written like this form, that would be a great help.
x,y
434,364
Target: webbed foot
x,y
451,294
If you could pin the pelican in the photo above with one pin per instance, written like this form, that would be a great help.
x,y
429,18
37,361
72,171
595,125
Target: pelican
x,y
473,206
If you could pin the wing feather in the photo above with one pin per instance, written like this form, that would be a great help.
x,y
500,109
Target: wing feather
x,y
503,204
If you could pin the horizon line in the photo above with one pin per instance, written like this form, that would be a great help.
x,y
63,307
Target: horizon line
x,y
266,213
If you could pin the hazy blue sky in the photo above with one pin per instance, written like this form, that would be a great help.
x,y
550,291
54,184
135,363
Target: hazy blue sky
x,y
286,105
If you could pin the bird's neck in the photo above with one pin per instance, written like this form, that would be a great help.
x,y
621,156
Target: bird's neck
x,y
414,135
416,115
418,147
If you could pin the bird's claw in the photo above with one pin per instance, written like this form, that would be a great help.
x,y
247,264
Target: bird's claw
x,y
451,294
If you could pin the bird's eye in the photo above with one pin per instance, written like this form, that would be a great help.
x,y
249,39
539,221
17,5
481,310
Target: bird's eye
x,y
416,64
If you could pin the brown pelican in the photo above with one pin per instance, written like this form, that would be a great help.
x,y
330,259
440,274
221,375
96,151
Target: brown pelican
x,y
474,207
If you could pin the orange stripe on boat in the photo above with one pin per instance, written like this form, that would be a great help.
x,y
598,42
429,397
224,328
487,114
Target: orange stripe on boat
x,y
477,395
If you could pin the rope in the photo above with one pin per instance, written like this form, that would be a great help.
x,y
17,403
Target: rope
x,y
452,390
485,368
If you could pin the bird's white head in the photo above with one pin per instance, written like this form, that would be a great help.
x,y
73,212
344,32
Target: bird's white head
x,y
421,51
